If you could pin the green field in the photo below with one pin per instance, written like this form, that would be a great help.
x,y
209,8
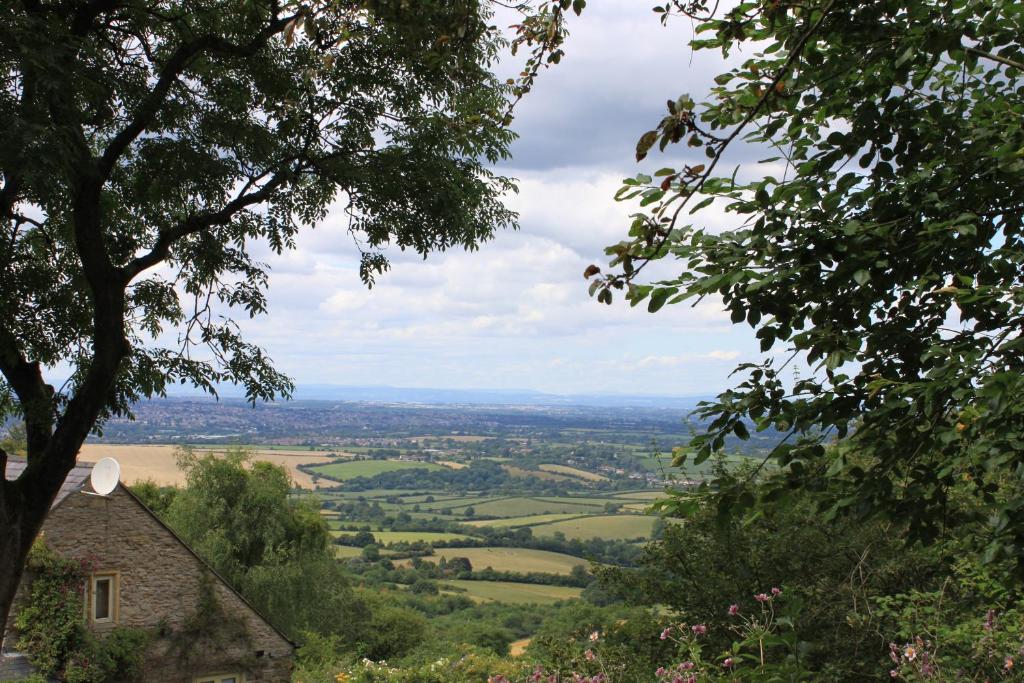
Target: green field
x,y
344,552
528,520
343,471
522,560
641,495
623,527
521,506
387,537
573,472
515,593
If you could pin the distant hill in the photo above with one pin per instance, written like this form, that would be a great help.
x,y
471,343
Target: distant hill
x,y
510,397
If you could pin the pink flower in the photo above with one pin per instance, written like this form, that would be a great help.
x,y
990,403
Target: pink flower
x,y
893,673
595,636
727,663
686,666
699,629
589,654
660,672
762,597
665,634
776,592
734,610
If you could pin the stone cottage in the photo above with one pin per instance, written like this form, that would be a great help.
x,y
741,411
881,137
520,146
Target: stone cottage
x,y
145,577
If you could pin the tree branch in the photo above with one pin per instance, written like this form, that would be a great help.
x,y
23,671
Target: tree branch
x,y
196,223
996,58
172,69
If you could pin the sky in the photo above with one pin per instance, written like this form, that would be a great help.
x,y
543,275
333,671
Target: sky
x,y
516,314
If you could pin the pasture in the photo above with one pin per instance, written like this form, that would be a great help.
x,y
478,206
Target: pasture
x,y
522,560
343,471
389,537
529,520
624,527
517,506
513,593
574,472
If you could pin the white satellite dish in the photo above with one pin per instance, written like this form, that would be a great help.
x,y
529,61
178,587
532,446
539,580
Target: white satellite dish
x,y
105,475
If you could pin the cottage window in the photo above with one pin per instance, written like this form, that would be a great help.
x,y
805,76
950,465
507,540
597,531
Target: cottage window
x,y
220,678
103,597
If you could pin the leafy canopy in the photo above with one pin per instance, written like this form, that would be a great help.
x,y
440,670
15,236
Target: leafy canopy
x,y
881,241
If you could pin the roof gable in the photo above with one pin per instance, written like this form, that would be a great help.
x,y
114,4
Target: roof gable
x,y
75,481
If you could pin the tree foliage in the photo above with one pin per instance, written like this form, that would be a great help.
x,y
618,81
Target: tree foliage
x,y
148,150
239,516
881,241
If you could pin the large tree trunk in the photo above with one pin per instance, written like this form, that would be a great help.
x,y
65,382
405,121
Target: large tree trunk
x,y
21,516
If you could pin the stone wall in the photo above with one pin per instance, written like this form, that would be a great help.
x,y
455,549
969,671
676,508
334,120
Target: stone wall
x,y
162,586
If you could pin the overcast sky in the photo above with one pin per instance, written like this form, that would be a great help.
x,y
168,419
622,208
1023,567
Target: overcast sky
x,y
516,314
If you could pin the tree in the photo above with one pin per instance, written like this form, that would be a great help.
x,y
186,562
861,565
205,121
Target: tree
x,y
145,147
276,550
882,245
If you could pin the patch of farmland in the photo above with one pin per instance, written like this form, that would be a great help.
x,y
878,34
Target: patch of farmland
x,y
388,537
462,501
636,507
624,527
344,552
514,593
596,502
452,464
522,560
536,474
160,464
522,506
641,495
529,520
573,472
343,471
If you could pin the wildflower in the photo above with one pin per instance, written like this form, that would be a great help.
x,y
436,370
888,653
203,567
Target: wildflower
x,y
762,597
342,677
665,634
910,653
1008,663
660,672
699,629
734,610
497,679
589,654
990,620
893,673
595,636
686,666
727,663
776,592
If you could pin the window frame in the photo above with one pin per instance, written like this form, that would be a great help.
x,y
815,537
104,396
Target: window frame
x,y
219,677
113,600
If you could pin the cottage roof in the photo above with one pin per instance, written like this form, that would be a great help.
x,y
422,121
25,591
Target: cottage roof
x,y
75,480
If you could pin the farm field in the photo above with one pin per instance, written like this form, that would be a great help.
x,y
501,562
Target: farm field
x,y
641,495
514,593
529,520
159,463
344,471
522,506
522,560
538,474
573,472
624,527
388,537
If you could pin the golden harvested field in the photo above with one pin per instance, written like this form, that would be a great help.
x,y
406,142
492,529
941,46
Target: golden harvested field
x,y
158,463
573,472
452,464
